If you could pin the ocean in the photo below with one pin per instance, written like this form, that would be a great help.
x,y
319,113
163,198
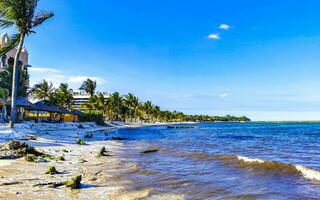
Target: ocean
x,y
226,160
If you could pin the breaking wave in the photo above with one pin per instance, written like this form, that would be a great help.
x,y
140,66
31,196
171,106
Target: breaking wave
x,y
267,166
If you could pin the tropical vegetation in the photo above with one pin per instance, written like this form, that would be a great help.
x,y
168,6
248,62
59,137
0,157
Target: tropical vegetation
x,y
116,107
89,86
61,96
6,81
24,17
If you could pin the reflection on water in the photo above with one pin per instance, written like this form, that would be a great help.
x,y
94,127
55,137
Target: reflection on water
x,y
227,160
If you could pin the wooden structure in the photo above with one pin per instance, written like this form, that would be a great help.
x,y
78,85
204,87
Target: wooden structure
x,y
181,127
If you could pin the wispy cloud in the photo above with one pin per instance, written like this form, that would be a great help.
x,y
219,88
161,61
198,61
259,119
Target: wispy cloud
x,y
57,77
214,36
225,95
80,79
43,70
224,26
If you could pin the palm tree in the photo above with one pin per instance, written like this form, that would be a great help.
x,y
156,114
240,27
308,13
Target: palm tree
x,y
133,104
6,81
23,15
64,95
89,86
43,90
99,102
114,106
147,108
156,112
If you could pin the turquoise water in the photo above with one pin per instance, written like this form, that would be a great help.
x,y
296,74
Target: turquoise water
x,y
227,160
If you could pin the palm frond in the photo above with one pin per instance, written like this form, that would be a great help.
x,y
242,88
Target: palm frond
x,y
5,23
14,40
41,17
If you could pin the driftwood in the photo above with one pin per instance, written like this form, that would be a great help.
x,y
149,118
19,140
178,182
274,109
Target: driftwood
x,y
50,184
182,127
150,151
73,183
119,138
95,174
11,183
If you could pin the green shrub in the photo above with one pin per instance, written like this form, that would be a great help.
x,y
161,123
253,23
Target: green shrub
x,y
47,157
80,142
65,151
30,158
60,158
95,117
74,183
52,170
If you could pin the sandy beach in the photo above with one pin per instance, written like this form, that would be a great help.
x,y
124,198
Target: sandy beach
x,y
102,177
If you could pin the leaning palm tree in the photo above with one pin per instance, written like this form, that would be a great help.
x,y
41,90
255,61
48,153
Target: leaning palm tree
x,y
21,14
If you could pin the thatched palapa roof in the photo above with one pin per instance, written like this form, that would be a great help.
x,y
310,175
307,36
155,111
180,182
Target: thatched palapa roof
x,y
41,106
21,102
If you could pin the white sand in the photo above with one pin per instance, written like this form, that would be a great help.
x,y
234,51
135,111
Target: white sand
x,y
103,177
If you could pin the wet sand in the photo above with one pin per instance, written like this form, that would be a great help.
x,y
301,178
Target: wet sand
x,y
102,177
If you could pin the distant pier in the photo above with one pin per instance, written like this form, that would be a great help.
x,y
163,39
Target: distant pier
x,y
181,127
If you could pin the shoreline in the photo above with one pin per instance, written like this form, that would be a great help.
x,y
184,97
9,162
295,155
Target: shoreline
x,y
125,172
101,176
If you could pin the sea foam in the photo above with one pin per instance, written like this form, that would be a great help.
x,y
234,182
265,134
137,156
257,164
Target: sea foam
x,y
306,172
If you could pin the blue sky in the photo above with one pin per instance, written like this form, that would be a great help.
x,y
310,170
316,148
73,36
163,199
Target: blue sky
x,y
255,58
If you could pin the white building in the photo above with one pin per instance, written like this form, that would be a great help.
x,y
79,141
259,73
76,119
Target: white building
x,y
8,59
81,98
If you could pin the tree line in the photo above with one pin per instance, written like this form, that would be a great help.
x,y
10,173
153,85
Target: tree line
x,y
116,107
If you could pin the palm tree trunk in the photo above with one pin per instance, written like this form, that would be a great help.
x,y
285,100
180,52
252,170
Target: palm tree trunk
x,y
15,82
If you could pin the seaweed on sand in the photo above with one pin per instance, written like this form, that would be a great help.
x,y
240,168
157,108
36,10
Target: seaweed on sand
x,y
52,170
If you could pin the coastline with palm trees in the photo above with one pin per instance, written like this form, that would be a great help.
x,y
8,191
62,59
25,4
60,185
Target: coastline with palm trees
x,y
40,157
115,107
24,18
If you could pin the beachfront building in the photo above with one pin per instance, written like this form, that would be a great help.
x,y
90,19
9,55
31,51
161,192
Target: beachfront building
x,y
8,59
80,98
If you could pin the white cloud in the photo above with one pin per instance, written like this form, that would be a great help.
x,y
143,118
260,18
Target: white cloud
x,y
225,95
57,77
43,70
224,26
214,36
80,79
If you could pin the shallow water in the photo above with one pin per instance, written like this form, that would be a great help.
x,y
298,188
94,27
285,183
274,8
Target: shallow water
x,y
227,160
